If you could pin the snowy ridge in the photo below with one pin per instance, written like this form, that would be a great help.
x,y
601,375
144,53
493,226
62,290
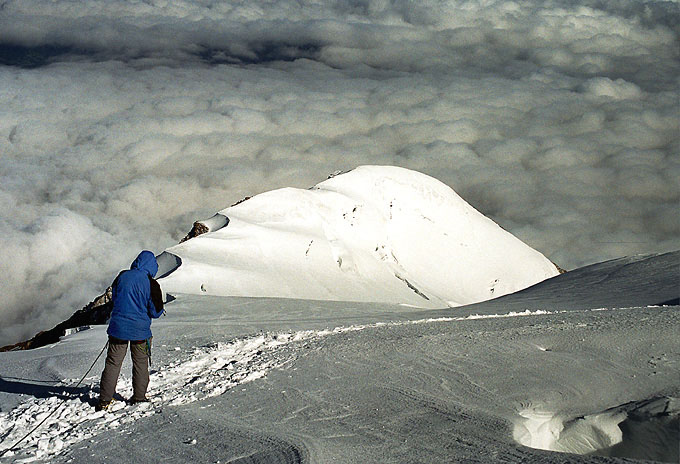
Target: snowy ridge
x,y
377,233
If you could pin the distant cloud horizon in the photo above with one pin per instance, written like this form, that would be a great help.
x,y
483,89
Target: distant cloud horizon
x,y
125,122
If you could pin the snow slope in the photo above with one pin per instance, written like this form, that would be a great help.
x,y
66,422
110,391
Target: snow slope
x,y
561,366
377,233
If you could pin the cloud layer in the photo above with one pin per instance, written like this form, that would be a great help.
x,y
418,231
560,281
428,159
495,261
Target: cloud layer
x,y
124,122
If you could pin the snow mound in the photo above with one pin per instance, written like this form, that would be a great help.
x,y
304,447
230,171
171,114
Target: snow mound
x,y
375,234
640,429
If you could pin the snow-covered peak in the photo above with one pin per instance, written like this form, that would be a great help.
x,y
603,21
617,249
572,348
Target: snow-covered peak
x,y
376,233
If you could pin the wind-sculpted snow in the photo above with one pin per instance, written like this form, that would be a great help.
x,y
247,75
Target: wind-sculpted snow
x,y
649,419
377,233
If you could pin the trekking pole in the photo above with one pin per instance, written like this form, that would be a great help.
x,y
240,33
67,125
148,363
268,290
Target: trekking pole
x,y
63,401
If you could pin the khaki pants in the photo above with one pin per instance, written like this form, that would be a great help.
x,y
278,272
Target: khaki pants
x,y
114,361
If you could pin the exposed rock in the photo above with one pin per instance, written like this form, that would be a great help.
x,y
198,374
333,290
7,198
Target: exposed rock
x,y
198,229
241,200
208,225
96,312
561,271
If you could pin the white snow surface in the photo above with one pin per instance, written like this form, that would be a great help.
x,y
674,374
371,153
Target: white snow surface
x,y
203,372
376,233
562,366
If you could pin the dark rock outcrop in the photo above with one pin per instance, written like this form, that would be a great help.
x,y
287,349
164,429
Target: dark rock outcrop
x,y
198,229
96,312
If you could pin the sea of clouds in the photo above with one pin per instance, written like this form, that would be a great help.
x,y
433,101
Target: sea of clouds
x,y
122,122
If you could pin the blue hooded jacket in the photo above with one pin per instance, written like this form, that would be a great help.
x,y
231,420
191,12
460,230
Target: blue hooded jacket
x,y
134,292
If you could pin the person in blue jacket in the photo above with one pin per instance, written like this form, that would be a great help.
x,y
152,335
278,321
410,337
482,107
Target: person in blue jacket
x,y
137,298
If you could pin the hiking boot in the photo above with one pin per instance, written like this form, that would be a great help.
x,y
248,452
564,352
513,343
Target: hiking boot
x,y
103,405
135,400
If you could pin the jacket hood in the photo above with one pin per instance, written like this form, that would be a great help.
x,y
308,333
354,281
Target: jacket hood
x,y
146,261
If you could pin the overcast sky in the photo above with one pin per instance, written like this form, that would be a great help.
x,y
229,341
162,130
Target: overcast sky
x,y
122,122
